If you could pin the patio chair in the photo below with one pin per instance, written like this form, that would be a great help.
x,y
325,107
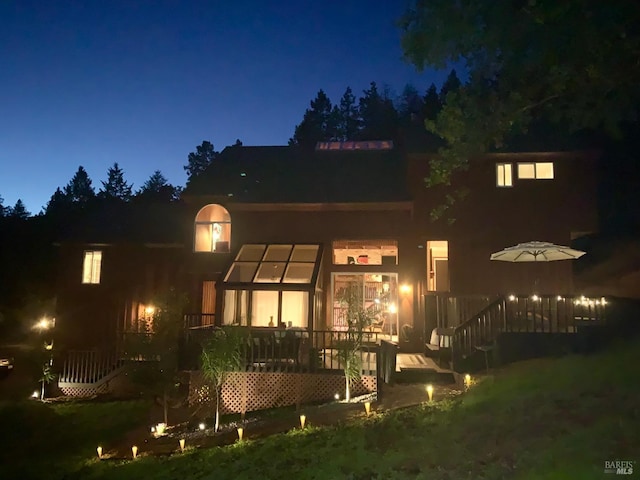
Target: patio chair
x,y
439,345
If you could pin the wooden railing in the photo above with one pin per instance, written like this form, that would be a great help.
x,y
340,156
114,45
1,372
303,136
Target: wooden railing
x,y
445,310
552,313
88,366
481,329
199,320
288,350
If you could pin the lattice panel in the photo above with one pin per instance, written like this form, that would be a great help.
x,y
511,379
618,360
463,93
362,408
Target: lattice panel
x,y
250,391
82,391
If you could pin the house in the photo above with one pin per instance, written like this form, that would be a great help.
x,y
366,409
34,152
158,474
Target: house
x,y
277,237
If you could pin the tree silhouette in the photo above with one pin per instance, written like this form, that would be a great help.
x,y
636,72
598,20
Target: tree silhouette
x,y
348,123
2,207
79,189
431,104
158,188
18,211
378,116
115,187
320,123
199,160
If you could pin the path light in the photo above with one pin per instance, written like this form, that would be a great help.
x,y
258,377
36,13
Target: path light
x,y
430,392
160,428
337,396
202,426
303,419
99,450
181,445
467,380
134,451
35,394
367,407
240,433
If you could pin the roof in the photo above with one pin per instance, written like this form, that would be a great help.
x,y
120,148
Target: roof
x,y
288,174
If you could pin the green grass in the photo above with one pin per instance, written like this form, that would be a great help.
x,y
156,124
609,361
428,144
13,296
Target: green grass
x,y
46,441
542,419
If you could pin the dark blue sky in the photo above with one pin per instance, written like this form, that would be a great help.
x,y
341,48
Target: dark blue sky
x,y
142,83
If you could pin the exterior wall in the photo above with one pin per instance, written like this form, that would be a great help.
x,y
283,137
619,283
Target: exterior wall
x,y
89,316
249,391
491,218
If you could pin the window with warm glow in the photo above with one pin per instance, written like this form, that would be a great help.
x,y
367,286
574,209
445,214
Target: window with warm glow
x,y
365,252
538,170
504,175
212,232
91,267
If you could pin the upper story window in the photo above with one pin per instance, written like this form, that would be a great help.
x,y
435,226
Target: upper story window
x,y
212,230
538,170
504,175
365,252
91,266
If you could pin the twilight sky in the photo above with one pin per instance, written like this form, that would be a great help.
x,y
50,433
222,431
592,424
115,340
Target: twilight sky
x,y
143,82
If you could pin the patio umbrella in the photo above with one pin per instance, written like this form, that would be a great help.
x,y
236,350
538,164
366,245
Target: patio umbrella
x,y
536,252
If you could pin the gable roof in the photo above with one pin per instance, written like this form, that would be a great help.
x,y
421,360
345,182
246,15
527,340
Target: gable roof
x,y
287,174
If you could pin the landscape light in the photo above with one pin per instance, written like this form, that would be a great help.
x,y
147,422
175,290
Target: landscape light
x,y
99,450
337,396
467,380
430,392
35,394
367,407
181,442
303,419
160,428
202,426
134,451
240,433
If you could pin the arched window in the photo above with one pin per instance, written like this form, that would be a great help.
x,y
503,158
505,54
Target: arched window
x,y
212,230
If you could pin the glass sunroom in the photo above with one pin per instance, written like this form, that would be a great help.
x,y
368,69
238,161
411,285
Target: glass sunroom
x,y
273,285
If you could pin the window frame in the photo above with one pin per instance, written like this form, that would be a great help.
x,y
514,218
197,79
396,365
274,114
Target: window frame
x,y
536,174
91,269
502,176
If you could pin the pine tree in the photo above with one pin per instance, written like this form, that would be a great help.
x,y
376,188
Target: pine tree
x,y
199,160
58,202
2,207
431,103
158,188
410,105
79,189
451,84
348,124
19,211
115,187
320,123
378,116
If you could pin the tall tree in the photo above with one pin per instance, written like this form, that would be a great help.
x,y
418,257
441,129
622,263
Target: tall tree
x,y
573,62
18,211
158,188
320,123
378,116
431,104
347,118
451,84
410,104
59,202
116,187
79,189
199,160
2,207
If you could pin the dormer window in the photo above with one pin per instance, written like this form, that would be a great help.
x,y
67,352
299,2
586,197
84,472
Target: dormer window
x,y
212,231
504,175
535,171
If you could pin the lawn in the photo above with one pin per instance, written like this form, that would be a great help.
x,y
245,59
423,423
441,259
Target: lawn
x,y
541,419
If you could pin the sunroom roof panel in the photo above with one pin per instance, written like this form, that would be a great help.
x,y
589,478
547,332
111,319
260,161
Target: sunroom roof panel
x,y
275,264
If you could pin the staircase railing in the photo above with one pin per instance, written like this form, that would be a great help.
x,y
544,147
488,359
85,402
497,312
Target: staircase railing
x,y
89,366
481,329
450,310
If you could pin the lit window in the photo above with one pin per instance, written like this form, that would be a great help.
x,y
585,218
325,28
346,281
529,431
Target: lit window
x,y
539,170
91,266
504,175
365,252
212,230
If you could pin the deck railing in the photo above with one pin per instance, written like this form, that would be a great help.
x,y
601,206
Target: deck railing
x,y
445,310
199,320
480,330
88,366
290,350
552,313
